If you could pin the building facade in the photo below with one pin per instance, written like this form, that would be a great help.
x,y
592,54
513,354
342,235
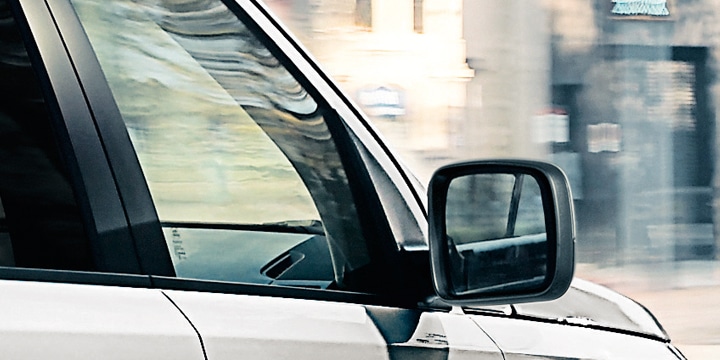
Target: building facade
x,y
640,91
622,94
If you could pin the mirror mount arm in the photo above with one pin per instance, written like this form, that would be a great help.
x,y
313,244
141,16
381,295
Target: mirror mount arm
x,y
514,205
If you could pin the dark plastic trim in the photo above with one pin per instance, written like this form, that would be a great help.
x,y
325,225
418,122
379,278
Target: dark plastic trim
x,y
138,209
92,180
74,277
167,283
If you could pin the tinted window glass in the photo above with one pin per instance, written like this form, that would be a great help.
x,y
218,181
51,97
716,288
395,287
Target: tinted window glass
x,y
40,224
238,156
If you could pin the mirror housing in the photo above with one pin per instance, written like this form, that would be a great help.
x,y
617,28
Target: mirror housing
x,y
501,232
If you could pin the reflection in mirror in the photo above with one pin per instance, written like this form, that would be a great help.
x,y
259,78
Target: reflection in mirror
x,y
496,233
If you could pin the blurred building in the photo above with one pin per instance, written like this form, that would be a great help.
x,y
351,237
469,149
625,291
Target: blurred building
x,y
508,46
620,93
403,61
637,82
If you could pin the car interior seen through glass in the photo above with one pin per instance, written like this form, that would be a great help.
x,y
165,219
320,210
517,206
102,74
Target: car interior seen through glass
x,y
40,222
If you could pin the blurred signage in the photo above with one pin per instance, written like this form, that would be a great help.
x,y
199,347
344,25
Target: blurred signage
x,y
553,126
605,137
640,8
382,101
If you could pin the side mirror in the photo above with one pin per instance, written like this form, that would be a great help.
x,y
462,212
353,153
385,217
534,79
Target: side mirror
x,y
501,232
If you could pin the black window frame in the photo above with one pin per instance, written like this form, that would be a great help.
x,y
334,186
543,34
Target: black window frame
x,y
111,248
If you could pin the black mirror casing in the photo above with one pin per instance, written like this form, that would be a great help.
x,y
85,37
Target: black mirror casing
x,y
484,275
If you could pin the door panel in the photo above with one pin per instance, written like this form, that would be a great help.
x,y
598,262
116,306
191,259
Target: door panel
x,y
64,321
241,326
237,326
467,340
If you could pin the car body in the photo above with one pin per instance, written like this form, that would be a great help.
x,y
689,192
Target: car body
x,y
180,180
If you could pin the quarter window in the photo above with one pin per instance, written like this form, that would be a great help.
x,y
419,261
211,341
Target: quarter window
x,y
238,156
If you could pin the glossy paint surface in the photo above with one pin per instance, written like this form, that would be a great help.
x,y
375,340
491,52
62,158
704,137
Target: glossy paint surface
x,y
66,321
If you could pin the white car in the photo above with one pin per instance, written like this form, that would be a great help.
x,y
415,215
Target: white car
x,y
179,180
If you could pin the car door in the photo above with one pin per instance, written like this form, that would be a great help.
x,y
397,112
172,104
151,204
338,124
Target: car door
x,y
70,283
258,189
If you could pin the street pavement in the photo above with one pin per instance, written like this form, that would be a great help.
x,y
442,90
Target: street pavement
x,y
684,296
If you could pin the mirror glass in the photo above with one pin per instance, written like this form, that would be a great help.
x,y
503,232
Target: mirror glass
x,y
496,233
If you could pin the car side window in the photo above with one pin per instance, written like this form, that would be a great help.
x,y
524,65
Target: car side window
x,y
239,158
40,223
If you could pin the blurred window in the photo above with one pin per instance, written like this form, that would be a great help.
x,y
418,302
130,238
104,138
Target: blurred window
x,y
363,13
418,16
